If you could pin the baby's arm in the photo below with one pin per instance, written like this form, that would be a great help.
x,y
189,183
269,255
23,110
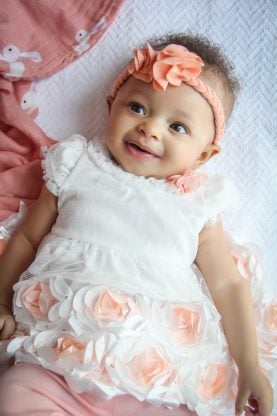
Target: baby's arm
x,y
233,301
21,251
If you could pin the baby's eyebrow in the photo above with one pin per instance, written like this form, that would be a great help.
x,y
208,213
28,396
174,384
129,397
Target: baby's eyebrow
x,y
136,92
183,114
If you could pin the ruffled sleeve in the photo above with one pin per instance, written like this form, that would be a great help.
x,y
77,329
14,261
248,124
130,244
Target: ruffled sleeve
x,y
221,197
59,161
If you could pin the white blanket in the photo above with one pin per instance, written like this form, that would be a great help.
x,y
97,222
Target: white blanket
x,y
73,100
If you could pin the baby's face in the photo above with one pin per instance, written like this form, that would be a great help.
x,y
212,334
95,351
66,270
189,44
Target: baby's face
x,y
159,134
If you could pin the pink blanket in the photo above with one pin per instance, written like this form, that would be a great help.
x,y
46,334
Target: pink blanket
x,y
37,38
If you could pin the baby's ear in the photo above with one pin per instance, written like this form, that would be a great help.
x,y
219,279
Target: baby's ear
x,y
110,101
210,151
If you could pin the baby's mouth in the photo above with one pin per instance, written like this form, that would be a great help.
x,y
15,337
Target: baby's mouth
x,y
139,150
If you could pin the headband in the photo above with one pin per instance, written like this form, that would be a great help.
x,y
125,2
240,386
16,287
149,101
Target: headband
x,y
172,65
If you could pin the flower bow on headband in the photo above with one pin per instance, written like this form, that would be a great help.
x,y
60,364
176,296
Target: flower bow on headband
x,y
171,66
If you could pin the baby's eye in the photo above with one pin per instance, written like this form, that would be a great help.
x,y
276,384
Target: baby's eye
x,y
179,128
137,108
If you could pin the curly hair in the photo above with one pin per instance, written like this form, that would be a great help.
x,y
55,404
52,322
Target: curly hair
x,y
215,61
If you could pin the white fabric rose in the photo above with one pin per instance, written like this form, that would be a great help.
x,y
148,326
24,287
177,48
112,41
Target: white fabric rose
x,y
42,304
208,384
143,368
186,326
99,308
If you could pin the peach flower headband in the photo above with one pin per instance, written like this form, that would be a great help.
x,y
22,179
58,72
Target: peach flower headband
x,y
172,65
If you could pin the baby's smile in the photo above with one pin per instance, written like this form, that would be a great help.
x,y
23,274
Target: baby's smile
x,y
140,150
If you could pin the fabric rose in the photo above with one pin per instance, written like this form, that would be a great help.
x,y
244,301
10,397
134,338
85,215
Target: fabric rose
x,y
98,307
40,305
185,325
148,366
111,306
142,368
80,362
91,374
141,66
204,386
188,182
215,380
175,64
68,346
38,299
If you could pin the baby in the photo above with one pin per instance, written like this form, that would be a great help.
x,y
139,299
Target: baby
x,y
124,286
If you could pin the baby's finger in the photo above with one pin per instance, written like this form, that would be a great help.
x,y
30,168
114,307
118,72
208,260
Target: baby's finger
x,y
241,401
7,327
2,323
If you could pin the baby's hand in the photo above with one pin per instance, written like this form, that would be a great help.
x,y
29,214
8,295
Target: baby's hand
x,y
7,322
255,395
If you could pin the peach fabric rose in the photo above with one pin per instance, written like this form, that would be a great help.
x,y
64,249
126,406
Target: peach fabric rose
x,y
38,299
173,65
149,366
214,381
111,306
141,66
144,368
188,182
70,347
185,325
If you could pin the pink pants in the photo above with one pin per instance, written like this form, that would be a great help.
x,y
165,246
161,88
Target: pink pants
x,y
27,389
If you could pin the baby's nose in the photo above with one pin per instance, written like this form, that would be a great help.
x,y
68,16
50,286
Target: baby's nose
x,y
150,129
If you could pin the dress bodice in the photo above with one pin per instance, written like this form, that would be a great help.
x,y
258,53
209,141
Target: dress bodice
x,y
145,218
130,228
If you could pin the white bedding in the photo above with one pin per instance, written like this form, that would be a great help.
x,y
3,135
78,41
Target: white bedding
x,y
73,100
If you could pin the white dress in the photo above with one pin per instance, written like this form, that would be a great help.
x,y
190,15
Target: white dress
x,y
113,301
